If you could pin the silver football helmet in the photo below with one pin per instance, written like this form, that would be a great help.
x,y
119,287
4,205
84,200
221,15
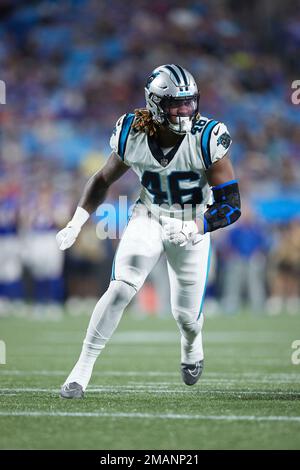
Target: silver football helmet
x,y
172,97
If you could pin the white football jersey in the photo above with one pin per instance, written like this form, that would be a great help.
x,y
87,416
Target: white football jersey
x,y
172,184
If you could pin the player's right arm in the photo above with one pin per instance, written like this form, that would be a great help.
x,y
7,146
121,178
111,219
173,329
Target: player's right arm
x,y
97,186
94,193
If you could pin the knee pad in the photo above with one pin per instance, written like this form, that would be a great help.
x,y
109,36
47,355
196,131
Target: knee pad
x,y
120,293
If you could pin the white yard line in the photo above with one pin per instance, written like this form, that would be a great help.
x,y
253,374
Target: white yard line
x,y
153,390
211,375
150,416
144,337
29,373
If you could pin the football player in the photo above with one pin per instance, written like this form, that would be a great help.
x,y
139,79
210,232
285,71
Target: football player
x,y
188,189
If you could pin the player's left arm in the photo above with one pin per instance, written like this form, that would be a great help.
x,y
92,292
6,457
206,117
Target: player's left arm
x,y
226,208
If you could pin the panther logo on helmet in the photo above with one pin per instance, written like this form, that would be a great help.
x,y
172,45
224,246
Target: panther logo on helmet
x,y
151,78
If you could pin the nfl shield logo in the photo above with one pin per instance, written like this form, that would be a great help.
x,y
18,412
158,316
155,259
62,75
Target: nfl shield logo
x,y
164,162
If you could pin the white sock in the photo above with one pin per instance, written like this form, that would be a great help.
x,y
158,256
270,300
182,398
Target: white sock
x,y
191,350
103,322
191,341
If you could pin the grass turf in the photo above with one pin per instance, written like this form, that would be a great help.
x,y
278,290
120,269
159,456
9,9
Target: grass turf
x,y
247,398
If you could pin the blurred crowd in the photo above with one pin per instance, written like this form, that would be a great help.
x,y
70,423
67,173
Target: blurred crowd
x,y
73,67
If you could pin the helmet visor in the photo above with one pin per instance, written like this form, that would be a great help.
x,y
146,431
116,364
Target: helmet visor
x,y
180,107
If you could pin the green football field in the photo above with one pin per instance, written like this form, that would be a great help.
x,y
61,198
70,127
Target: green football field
x,y
248,397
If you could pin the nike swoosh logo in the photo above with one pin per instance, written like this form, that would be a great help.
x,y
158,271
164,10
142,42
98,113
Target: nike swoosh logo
x,y
69,389
196,242
216,133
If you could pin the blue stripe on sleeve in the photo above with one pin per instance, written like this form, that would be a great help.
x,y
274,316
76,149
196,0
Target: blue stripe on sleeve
x,y
127,121
205,143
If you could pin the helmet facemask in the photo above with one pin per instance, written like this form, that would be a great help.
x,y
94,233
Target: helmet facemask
x,y
180,113
172,98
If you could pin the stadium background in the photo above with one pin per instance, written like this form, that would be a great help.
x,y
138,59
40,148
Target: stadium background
x,y
73,67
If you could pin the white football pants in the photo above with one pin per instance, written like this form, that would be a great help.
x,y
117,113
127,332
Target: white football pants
x,y
140,248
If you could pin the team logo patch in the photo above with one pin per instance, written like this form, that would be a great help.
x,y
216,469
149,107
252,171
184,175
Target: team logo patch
x,y
224,140
151,78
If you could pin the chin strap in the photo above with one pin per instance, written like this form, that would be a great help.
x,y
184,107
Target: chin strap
x,y
181,126
226,209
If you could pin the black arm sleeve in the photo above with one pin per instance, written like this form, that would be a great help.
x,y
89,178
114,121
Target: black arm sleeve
x,y
226,209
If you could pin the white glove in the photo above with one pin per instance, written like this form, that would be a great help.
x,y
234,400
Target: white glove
x,y
177,231
67,236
